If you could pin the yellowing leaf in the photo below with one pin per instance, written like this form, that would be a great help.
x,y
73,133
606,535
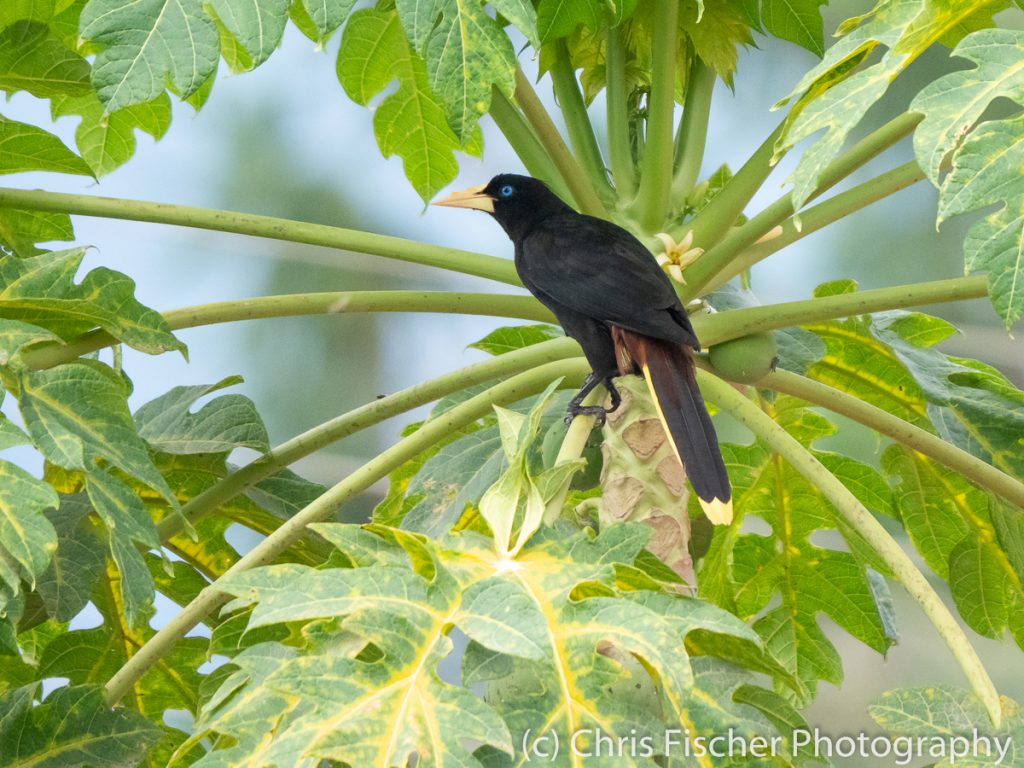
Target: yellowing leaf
x,y
366,690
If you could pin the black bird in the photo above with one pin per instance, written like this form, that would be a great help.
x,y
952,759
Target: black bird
x,y
610,295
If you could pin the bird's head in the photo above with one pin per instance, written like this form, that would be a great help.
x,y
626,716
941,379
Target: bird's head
x,y
517,202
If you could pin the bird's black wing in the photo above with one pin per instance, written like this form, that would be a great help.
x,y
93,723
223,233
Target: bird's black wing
x,y
600,270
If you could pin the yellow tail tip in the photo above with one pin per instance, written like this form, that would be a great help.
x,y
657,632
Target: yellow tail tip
x,y
717,511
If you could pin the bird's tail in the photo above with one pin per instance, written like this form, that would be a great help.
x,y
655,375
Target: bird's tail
x,y
669,371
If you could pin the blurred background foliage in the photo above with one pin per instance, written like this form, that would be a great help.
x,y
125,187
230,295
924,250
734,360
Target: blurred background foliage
x,y
285,141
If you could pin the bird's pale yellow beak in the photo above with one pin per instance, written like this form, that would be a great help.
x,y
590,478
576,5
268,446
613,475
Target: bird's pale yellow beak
x,y
474,197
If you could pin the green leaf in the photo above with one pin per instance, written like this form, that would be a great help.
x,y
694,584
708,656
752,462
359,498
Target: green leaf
x,y
21,230
107,141
409,122
72,727
953,103
128,525
558,18
41,291
326,15
943,718
744,571
455,476
522,15
77,414
223,424
32,60
933,505
466,53
956,527
836,95
976,580
24,147
147,44
15,336
257,24
27,538
798,21
66,584
983,175
502,340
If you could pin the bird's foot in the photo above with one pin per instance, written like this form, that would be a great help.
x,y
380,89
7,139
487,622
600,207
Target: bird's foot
x,y
599,413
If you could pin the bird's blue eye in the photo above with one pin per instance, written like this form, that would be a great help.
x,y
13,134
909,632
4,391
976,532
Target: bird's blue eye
x,y
506,191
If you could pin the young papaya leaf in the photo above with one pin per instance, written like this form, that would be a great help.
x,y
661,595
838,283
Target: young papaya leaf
x,y
42,291
409,122
24,148
145,46
33,60
73,726
509,339
227,422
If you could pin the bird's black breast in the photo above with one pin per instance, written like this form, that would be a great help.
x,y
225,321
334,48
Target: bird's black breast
x,y
595,268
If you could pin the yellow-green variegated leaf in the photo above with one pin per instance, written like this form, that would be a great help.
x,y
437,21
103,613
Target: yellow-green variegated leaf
x,y
77,414
92,656
42,291
73,726
943,718
21,230
553,610
986,164
953,103
744,571
466,53
27,539
16,335
905,28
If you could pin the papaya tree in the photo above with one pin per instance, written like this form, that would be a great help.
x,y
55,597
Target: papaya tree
x,y
563,573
